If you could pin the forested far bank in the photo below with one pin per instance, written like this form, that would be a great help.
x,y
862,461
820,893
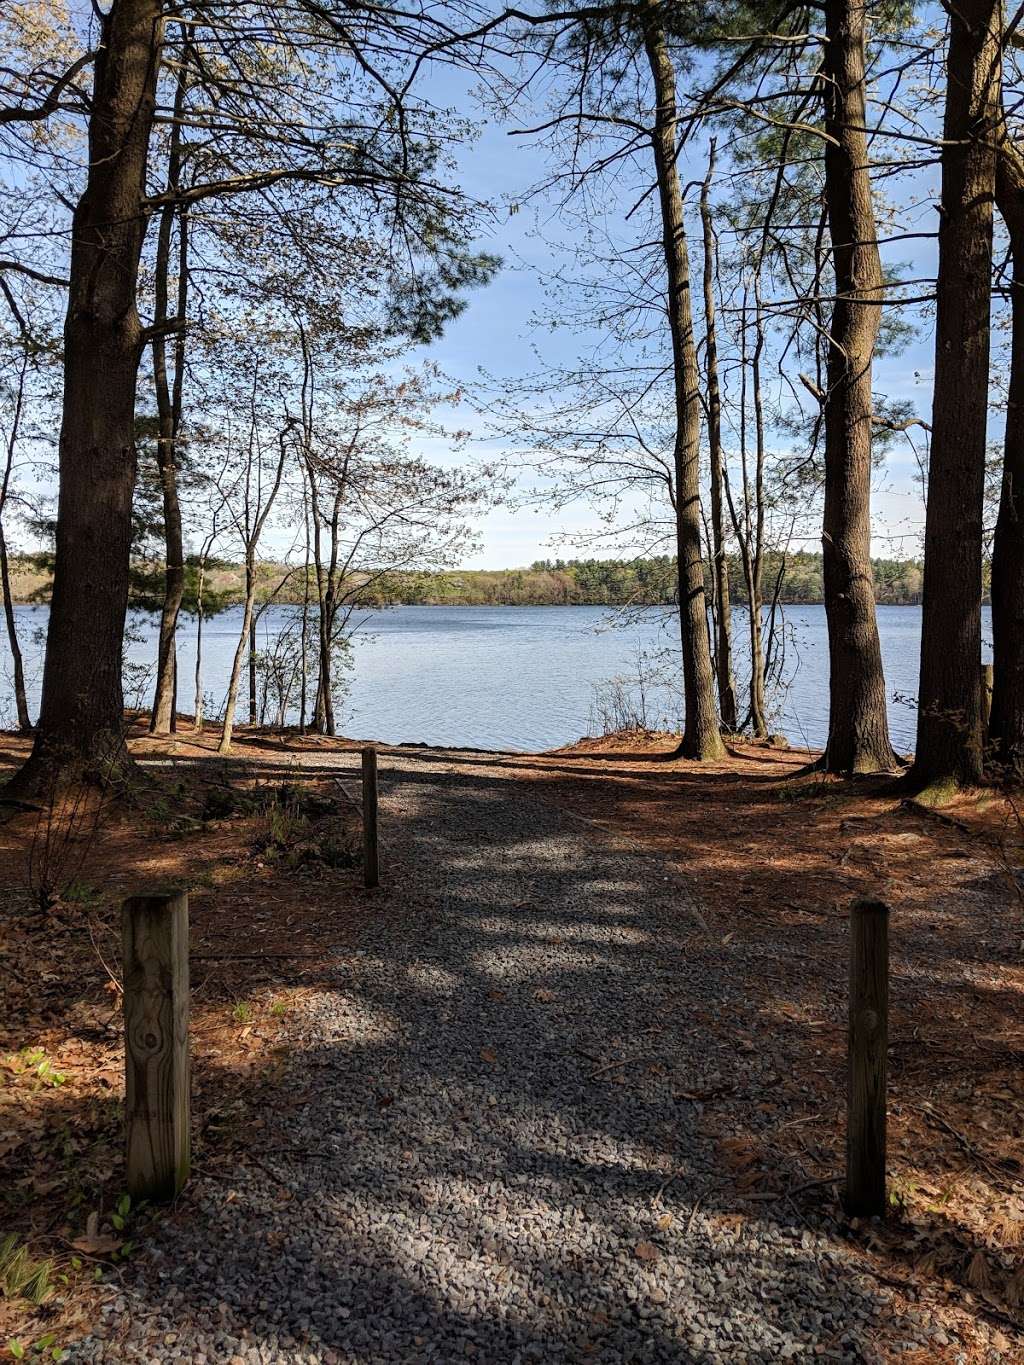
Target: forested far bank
x,y
793,579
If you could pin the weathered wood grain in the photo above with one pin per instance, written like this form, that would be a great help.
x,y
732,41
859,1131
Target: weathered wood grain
x,y
868,1044
371,852
156,1017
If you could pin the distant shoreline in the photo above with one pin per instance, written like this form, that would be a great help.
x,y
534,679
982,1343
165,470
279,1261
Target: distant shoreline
x,y
610,583
504,606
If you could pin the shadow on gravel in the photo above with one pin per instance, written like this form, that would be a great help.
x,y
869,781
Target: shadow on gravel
x,y
531,1118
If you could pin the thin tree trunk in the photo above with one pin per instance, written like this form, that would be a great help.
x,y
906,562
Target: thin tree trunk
x,y
200,585
1006,723
758,719
169,403
747,535
720,566
304,637
701,736
949,745
252,672
224,747
858,733
198,708
81,730
20,695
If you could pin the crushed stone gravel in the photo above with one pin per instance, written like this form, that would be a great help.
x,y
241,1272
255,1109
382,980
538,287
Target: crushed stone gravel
x,y
487,1147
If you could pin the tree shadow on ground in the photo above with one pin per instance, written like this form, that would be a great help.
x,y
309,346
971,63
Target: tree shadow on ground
x,y
538,1112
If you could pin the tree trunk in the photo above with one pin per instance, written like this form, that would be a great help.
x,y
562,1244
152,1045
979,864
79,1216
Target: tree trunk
x,y
858,731
758,719
168,402
720,566
201,583
20,695
701,736
252,670
224,747
1006,723
748,530
81,725
949,743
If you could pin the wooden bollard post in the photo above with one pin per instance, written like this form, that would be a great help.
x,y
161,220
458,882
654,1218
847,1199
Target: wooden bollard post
x,y
371,855
156,1018
868,1044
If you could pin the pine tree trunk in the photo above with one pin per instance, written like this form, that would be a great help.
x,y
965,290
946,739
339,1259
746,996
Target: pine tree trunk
x,y
858,733
81,730
169,412
168,402
949,742
1006,723
701,736
758,719
720,566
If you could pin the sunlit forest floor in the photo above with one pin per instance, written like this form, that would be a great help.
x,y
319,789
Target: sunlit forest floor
x,y
761,861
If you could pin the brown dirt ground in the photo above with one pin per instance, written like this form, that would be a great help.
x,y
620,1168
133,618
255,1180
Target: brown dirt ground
x,y
774,857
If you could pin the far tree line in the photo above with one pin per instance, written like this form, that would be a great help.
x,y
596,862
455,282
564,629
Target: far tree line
x,y
796,579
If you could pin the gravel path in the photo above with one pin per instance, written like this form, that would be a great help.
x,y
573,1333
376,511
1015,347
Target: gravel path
x,y
493,1146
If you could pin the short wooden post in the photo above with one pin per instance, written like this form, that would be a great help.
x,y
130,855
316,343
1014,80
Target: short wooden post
x,y
371,857
868,1044
156,1018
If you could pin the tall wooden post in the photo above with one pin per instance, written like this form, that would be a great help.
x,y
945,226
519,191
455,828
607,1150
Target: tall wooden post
x,y
371,859
156,1018
868,1044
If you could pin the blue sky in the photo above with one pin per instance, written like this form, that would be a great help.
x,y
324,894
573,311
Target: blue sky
x,y
494,334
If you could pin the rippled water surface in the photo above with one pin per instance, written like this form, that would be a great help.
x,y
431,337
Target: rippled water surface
x,y
512,677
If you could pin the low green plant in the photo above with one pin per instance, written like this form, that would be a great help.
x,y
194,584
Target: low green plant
x,y
35,1060
242,1012
22,1276
336,852
282,825
78,892
119,1218
45,1347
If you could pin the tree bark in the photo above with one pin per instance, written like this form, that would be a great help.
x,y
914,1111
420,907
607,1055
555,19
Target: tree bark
x,y
720,566
224,746
81,726
858,732
749,530
701,736
20,695
252,671
758,719
169,402
1006,722
949,741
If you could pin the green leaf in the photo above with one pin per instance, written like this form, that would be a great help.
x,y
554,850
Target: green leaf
x,y
16,1349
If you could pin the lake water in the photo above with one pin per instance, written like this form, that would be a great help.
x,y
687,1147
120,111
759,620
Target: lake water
x,y
508,677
